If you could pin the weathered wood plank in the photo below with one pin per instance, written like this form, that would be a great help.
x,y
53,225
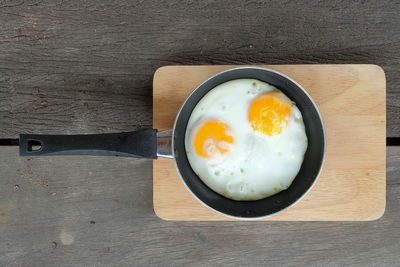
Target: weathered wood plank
x,y
72,66
98,211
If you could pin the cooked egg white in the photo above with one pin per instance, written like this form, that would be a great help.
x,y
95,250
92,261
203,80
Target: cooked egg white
x,y
246,140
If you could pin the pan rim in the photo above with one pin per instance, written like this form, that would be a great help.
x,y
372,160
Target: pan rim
x,y
323,150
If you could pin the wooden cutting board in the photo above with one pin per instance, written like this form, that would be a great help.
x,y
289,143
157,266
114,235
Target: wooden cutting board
x,y
352,184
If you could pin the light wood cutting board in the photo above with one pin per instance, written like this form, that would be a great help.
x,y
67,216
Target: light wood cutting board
x,y
352,184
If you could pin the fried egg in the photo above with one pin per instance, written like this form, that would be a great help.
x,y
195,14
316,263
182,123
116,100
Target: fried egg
x,y
246,140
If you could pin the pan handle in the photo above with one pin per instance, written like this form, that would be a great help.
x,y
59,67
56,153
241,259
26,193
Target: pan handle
x,y
164,144
138,144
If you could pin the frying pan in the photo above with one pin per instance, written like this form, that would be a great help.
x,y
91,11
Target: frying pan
x,y
149,143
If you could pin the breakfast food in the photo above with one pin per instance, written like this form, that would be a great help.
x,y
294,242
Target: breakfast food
x,y
246,140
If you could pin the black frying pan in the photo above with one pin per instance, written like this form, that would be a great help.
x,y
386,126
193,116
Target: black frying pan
x,y
150,144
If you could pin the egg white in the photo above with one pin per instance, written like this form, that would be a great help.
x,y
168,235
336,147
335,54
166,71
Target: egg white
x,y
258,165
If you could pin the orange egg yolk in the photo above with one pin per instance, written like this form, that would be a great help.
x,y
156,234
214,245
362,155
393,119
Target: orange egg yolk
x,y
213,138
268,113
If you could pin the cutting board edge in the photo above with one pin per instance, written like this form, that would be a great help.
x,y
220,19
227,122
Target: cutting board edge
x,y
375,215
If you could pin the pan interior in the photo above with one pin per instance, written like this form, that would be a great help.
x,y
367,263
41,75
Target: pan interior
x,y
309,170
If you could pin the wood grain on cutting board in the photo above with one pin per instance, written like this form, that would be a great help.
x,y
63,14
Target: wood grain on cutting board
x,y
352,100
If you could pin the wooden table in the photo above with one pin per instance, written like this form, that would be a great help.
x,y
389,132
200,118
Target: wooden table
x,y
85,67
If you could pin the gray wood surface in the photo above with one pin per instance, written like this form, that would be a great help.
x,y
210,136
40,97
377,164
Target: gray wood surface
x,y
61,211
86,66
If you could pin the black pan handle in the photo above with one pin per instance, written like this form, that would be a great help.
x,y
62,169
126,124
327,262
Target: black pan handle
x,y
138,144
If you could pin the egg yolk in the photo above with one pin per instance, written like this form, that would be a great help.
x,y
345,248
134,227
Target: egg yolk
x,y
268,113
212,139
